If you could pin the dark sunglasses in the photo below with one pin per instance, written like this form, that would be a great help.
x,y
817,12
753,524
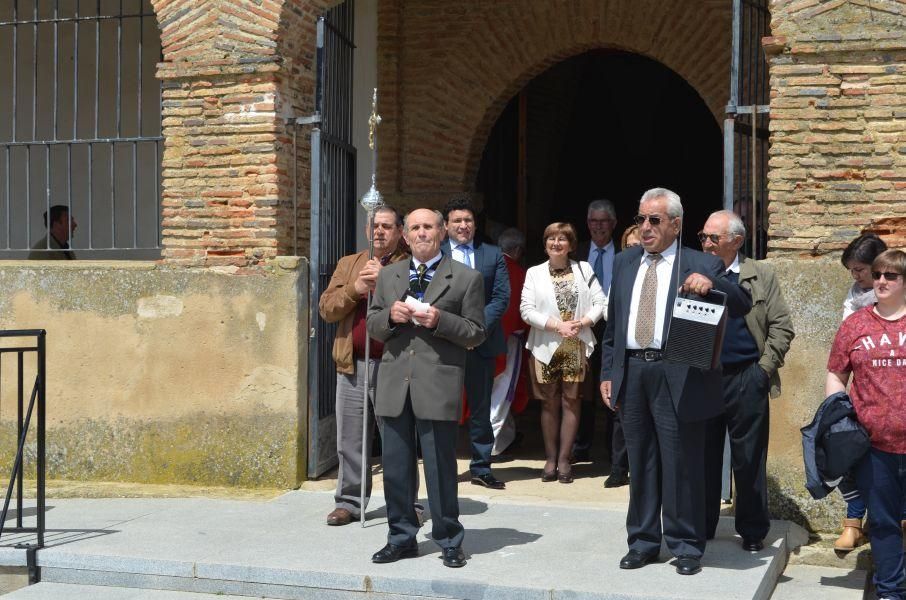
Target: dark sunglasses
x,y
888,275
653,219
714,237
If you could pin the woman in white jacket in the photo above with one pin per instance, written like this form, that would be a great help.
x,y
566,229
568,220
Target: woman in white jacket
x,y
561,301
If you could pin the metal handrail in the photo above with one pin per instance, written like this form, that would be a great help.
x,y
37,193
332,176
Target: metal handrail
x,y
37,399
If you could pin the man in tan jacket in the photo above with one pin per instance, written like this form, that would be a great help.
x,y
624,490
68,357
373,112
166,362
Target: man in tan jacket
x,y
345,302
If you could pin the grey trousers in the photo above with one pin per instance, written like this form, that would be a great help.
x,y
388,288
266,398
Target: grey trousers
x,y
350,393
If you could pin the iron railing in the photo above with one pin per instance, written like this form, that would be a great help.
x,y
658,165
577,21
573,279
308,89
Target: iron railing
x,y
80,124
36,405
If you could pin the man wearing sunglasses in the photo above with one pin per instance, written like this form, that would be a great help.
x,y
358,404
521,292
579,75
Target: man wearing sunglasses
x,y
663,405
753,351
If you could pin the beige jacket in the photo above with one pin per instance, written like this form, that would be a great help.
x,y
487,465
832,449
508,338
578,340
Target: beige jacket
x,y
339,301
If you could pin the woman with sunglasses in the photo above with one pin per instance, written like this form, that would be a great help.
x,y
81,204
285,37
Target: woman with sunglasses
x,y
870,346
857,258
561,301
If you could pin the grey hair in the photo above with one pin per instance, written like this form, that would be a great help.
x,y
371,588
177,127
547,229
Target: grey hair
x,y
674,205
602,205
511,239
735,226
437,213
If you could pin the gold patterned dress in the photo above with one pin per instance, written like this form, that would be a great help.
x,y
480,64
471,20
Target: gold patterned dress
x,y
568,362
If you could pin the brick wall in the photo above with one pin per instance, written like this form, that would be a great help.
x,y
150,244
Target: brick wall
x,y
447,70
231,72
838,123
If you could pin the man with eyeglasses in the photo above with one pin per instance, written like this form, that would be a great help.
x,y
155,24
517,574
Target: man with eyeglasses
x,y
663,405
599,252
753,351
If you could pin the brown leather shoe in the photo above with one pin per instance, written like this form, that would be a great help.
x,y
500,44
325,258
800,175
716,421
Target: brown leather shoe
x,y
852,536
339,516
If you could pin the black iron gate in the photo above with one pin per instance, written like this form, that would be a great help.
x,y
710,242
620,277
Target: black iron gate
x,y
333,217
746,125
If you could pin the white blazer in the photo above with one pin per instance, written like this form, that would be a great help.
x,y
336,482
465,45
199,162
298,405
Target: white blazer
x,y
539,304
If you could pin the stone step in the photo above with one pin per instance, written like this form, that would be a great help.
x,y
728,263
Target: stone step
x,y
804,581
282,549
67,591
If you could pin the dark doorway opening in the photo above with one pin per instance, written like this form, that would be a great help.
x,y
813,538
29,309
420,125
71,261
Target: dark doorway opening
x,y
604,124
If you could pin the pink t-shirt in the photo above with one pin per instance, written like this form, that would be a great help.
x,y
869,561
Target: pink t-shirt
x,y
874,350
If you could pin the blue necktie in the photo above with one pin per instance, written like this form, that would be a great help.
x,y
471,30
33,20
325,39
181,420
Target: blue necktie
x,y
466,259
599,267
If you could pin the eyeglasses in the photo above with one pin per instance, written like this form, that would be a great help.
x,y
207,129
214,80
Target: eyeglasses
x,y
888,275
655,220
714,237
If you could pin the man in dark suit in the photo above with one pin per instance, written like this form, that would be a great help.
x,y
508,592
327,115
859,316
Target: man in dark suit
x,y
419,386
487,259
663,405
599,252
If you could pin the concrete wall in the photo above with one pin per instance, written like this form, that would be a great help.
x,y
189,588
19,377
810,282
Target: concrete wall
x,y
165,375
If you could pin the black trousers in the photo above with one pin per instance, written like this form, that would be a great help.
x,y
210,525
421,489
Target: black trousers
x,y
479,382
666,459
438,442
585,436
747,420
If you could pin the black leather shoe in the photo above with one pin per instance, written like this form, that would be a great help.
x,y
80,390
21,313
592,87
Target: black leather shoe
x,y
616,480
752,544
453,557
391,553
688,565
636,560
488,481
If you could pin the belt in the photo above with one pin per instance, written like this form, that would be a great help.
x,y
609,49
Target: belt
x,y
646,355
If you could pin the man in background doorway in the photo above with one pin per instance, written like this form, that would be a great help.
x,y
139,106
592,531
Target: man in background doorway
x,y
461,246
55,245
509,394
599,252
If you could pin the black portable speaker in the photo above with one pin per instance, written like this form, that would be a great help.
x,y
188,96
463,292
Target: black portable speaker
x,y
696,330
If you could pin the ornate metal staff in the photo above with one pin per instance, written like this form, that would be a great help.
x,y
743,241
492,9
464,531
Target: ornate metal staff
x,y
371,201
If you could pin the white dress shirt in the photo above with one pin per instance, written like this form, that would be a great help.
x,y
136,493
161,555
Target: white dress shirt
x,y
464,255
607,260
664,272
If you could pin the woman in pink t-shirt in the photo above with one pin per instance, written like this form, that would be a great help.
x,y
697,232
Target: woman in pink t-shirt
x,y
871,346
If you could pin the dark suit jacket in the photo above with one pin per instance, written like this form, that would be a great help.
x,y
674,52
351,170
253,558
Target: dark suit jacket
x,y
697,394
489,262
426,365
581,253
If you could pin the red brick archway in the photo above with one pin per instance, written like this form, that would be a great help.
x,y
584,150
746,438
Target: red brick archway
x,y
451,70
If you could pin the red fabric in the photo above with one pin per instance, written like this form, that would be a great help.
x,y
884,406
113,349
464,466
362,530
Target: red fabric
x,y
358,335
511,321
874,351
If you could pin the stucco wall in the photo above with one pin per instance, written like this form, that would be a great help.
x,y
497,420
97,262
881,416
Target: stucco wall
x,y
814,292
165,375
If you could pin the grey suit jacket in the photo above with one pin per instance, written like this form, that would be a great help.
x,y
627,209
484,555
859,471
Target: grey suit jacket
x,y
424,364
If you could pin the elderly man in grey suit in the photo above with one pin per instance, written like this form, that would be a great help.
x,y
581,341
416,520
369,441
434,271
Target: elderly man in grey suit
x,y
419,386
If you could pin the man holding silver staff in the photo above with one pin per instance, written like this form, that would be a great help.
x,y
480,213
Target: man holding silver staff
x,y
345,302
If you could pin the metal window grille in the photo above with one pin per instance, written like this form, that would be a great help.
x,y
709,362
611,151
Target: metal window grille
x,y
333,211
746,127
80,125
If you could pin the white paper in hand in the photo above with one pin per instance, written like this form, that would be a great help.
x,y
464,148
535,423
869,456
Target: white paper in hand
x,y
417,306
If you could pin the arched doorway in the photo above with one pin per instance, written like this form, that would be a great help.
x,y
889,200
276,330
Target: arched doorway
x,y
603,124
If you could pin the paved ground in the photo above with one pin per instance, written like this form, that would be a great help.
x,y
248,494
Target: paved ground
x,y
280,547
